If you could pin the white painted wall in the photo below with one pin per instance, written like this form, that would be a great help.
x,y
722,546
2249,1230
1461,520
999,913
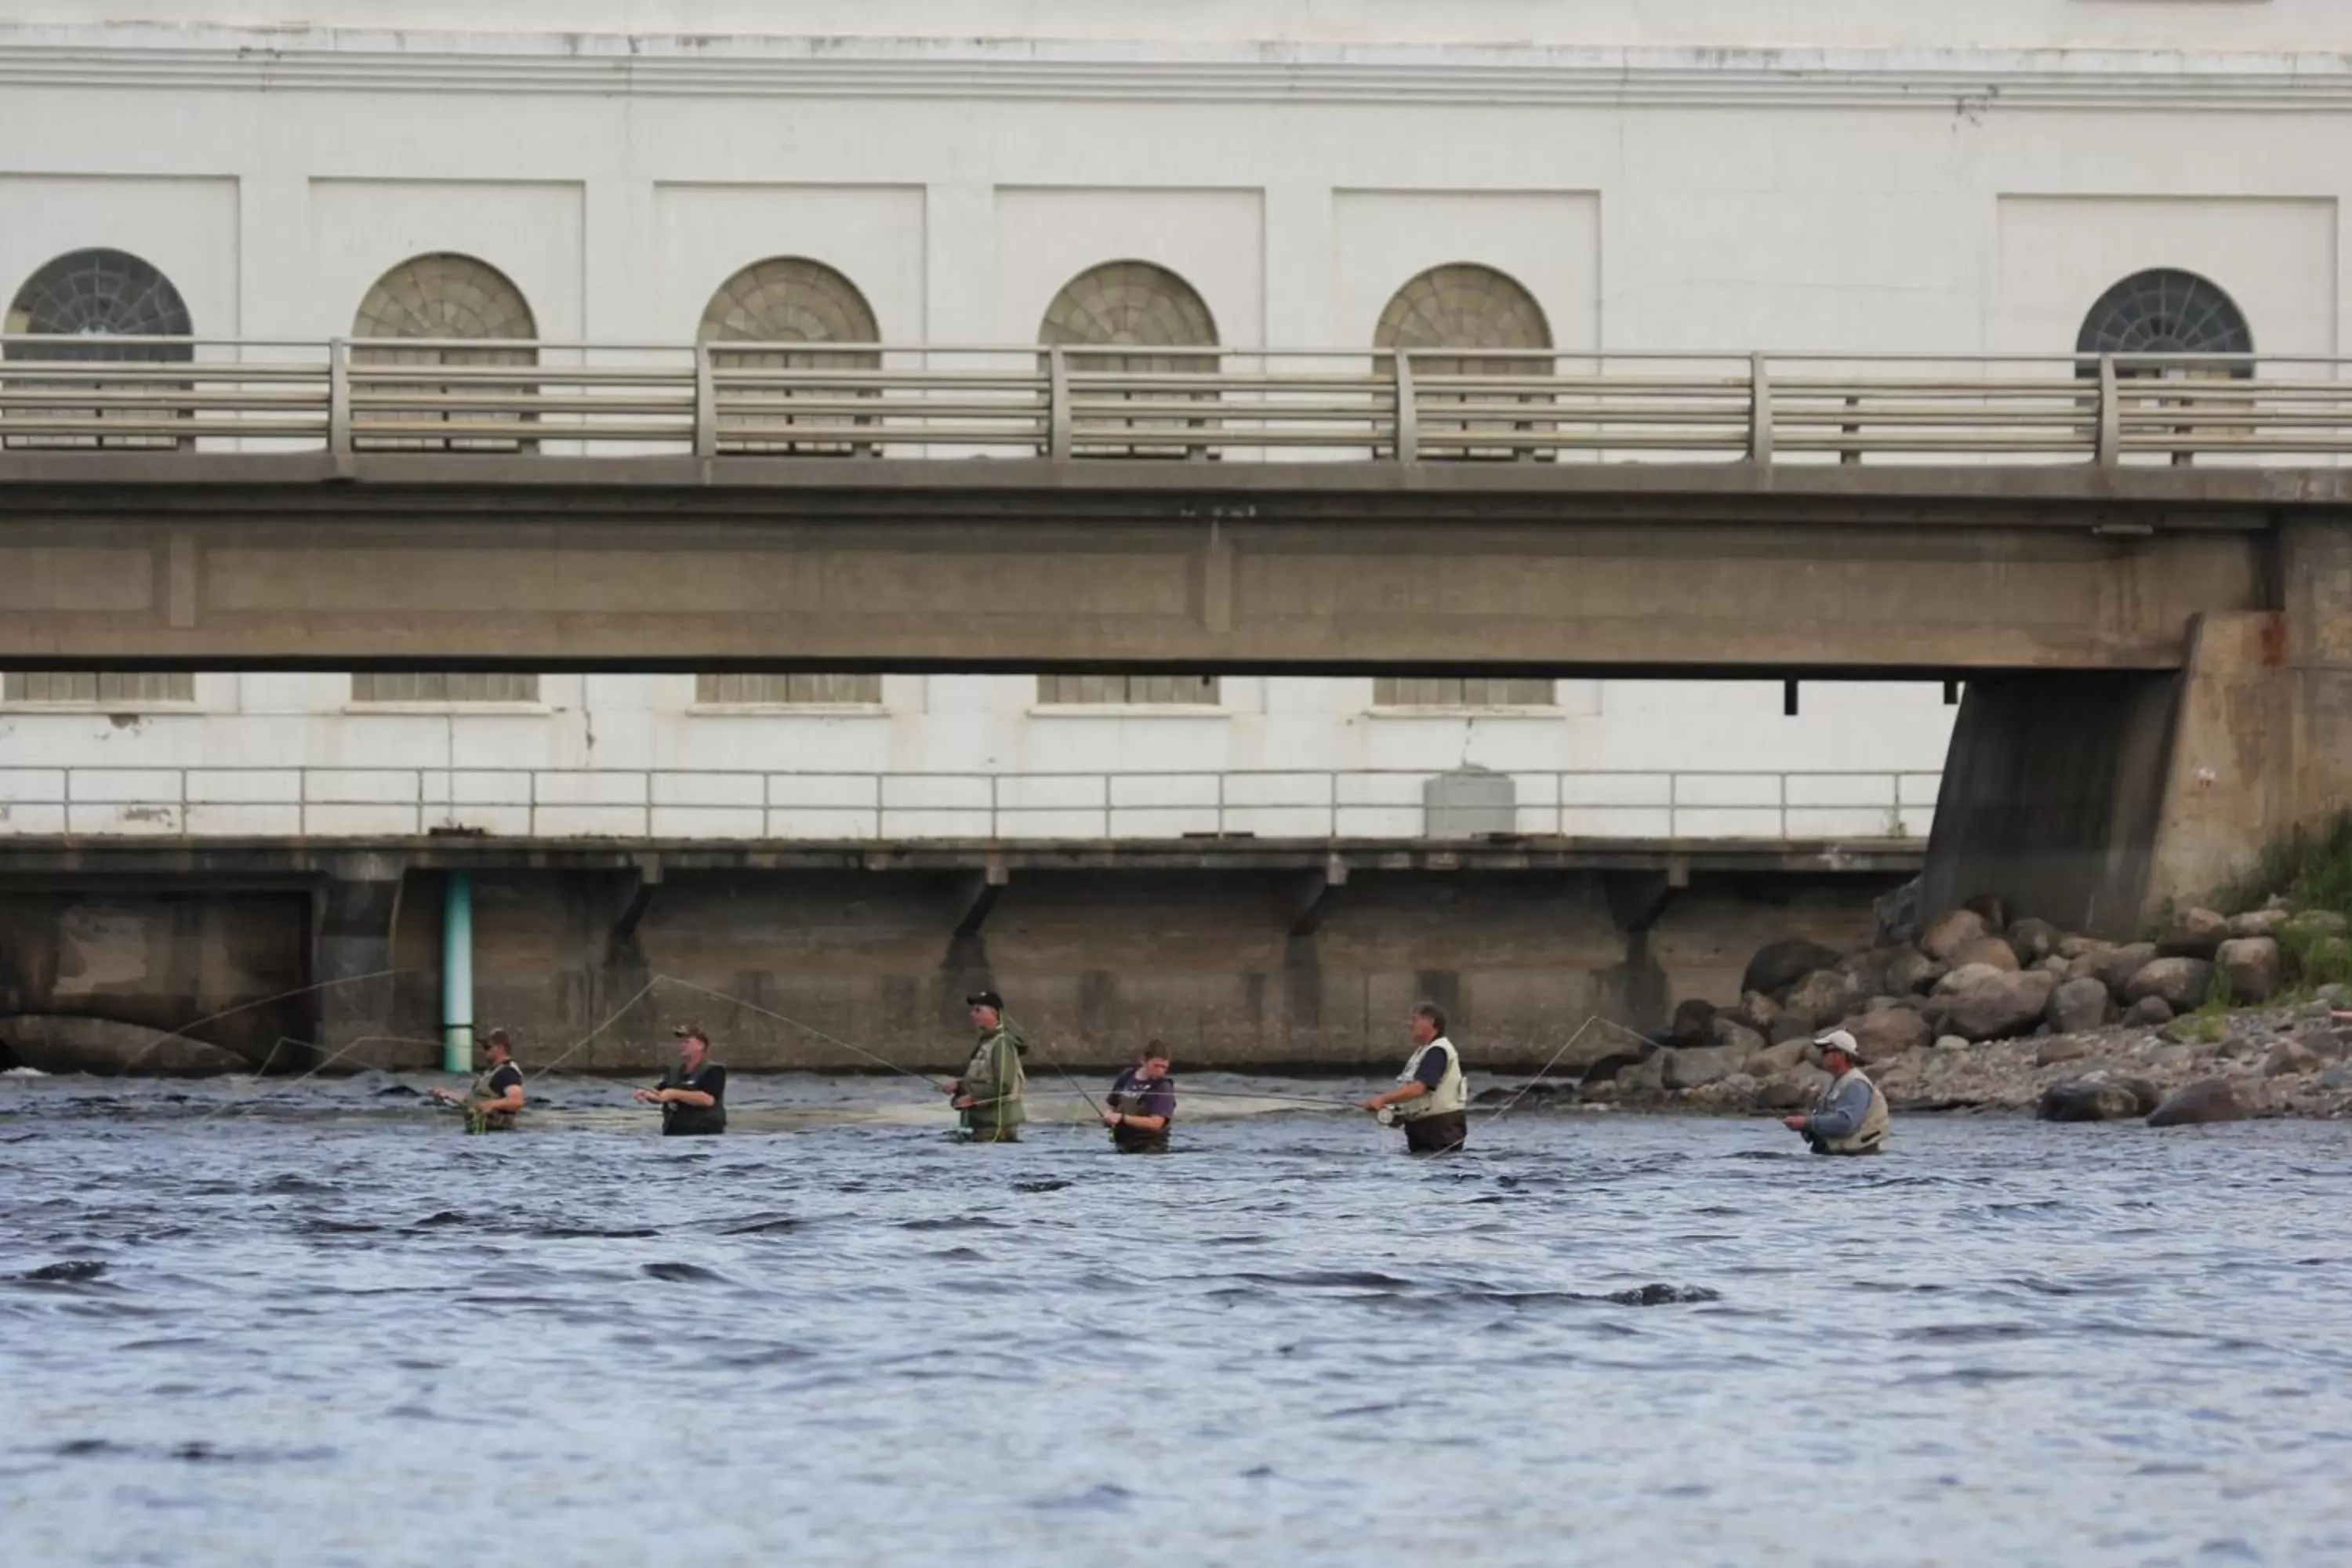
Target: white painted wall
x,y
1702,174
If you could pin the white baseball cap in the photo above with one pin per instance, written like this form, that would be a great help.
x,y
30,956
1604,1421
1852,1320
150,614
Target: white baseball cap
x,y
1839,1040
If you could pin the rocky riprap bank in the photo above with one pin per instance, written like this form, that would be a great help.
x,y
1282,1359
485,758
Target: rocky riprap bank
x,y
1965,1012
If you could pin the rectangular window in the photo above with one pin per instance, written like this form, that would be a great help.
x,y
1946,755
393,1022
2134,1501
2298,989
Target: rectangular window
x,y
443,685
130,688
797,690
1464,691
1102,690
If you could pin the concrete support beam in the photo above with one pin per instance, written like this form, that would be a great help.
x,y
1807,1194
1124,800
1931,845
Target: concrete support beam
x,y
475,560
1314,897
2051,796
351,962
980,891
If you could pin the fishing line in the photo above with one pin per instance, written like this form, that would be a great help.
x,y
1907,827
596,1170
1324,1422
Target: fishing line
x,y
1596,1018
181,1032
805,1028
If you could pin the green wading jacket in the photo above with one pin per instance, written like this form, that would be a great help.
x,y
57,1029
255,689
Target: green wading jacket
x,y
993,1080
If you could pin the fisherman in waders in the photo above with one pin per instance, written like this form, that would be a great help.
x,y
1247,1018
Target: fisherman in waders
x,y
989,1092
1430,1100
1850,1117
1142,1104
496,1094
693,1094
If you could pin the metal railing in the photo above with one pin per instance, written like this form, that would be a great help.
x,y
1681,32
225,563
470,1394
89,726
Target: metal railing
x,y
721,804
720,400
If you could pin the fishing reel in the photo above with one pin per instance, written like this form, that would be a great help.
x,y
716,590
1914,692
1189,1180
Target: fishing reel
x,y
1386,1116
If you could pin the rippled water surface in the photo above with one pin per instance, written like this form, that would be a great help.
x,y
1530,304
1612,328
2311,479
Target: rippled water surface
x,y
316,1325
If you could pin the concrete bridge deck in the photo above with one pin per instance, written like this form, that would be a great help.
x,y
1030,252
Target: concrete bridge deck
x,y
918,508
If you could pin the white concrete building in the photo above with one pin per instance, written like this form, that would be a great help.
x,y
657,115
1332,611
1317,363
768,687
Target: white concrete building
x,y
1596,177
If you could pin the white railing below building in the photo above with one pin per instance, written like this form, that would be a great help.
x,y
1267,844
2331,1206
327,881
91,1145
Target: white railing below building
x,y
1079,403
711,805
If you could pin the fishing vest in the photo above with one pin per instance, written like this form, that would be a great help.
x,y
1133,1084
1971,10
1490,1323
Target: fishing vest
x,y
1865,1139
1451,1095
489,1121
691,1121
995,1104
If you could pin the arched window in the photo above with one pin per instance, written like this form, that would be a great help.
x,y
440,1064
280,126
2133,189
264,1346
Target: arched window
x,y
783,299
445,297
1131,304
1462,305
1465,306
99,294
96,295
2165,312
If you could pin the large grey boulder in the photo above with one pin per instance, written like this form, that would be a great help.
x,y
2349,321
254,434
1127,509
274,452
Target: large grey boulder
x,y
2096,1097
1968,977
1761,1008
2077,1007
1795,1089
2148,1012
1884,1032
1948,932
1914,972
1822,997
2002,1008
1691,1067
1895,913
2074,947
2206,1101
1694,1023
2181,983
1647,1076
1774,1060
1991,950
2120,964
2194,933
2249,966
2034,940
1734,1036
2258,922
1779,965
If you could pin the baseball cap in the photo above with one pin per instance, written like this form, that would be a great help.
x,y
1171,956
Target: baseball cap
x,y
985,999
1839,1040
691,1032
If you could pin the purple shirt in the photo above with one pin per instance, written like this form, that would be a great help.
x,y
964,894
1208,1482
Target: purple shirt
x,y
1137,1096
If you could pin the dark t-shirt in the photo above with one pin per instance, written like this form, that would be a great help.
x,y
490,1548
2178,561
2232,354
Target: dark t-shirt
x,y
1137,1098
1431,1071
690,1120
504,1077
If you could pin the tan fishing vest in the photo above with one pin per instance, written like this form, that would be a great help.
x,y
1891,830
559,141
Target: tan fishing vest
x,y
1451,1093
491,1120
1873,1131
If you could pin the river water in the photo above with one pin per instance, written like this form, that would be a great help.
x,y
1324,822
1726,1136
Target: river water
x,y
315,1324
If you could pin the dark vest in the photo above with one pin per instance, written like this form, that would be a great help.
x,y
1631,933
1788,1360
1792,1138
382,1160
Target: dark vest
x,y
692,1120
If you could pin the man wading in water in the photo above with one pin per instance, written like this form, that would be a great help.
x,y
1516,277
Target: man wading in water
x,y
490,1105
1142,1101
989,1092
693,1094
1850,1117
1430,1100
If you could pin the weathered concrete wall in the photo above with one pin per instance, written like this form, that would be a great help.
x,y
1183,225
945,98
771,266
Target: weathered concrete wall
x,y
1091,963
162,959
2051,796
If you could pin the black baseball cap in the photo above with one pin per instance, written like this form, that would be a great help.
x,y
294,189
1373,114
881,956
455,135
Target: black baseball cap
x,y
985,999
